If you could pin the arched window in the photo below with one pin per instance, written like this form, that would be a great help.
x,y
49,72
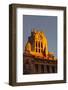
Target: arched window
x,y
41,45
44,50
36,44
36,49
39,50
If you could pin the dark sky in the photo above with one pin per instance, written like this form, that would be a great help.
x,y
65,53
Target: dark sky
x,y
47,24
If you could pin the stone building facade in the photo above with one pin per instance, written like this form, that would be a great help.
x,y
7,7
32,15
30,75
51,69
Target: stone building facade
x,y
36,58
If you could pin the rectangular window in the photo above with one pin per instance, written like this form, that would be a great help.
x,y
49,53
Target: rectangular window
x,y
36,68
53,69
41,45
36,43
39,50
48,69
42,68
36,49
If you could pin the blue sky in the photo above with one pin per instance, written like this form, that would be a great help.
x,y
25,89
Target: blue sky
x,y
47,24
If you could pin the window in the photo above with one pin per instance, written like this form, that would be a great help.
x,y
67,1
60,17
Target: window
x,y
36,43
53,69
48,69
44,50
36,46
36,49
39,50
41,45
36,68
42,68
26,68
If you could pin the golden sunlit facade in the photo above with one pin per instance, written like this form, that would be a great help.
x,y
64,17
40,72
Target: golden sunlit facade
x,y
36,57
37,45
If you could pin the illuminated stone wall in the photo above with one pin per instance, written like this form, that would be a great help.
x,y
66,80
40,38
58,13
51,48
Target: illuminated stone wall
x,y
37,45
36,57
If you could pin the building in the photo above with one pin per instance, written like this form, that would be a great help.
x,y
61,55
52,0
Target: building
x,y
36,58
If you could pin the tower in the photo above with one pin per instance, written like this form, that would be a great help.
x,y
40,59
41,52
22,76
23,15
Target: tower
x,y
36,57
37,44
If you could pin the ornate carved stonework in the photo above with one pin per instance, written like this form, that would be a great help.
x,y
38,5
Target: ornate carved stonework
x,y
37,45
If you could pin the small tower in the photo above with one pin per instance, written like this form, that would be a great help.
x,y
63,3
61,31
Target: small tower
x,y
28,47
37,44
